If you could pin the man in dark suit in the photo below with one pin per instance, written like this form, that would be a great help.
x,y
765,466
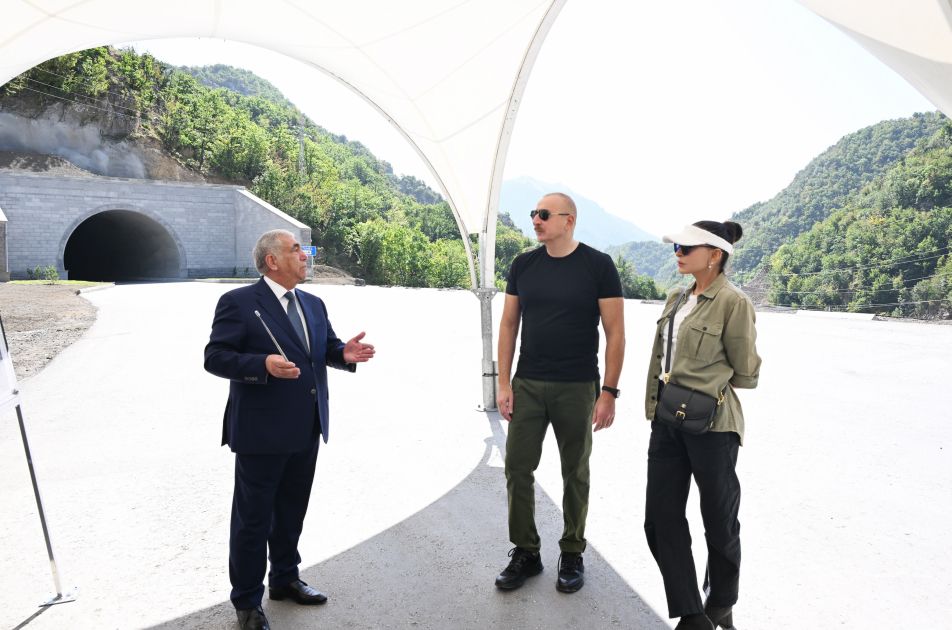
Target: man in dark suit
x,y
274,344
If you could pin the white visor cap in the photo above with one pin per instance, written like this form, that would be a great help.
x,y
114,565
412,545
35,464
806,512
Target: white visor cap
x,y
693,235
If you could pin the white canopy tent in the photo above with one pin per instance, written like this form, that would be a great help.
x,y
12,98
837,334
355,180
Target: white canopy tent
x,y
449,75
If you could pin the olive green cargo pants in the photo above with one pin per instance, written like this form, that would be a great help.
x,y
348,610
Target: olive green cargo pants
x,y
568,407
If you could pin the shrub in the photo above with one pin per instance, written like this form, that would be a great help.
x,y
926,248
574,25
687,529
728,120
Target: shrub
x,y
47,273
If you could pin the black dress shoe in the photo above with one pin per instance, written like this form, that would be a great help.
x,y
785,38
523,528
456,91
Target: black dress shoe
x,y
694,622
252,619
299,591
524,564
571,572
723,617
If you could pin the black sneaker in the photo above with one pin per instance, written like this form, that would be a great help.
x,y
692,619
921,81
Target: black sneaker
x,y
571,572
524,564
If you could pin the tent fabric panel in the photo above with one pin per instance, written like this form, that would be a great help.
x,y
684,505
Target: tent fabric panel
x,y
919,27
931,78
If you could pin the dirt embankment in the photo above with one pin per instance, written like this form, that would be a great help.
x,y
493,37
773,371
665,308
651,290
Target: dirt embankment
x,y
40,320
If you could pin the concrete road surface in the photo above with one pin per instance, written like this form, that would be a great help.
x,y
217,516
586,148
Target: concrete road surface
x,y
846,474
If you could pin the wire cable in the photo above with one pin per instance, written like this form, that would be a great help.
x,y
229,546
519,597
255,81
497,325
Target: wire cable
x,y
79,78
843,307
868,290
92,98
63,98
897,261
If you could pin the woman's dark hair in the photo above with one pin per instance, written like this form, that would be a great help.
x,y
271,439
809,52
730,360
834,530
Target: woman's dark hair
x,y
728,230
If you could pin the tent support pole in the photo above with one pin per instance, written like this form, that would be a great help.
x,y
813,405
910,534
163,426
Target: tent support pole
x,y
490,372
485,293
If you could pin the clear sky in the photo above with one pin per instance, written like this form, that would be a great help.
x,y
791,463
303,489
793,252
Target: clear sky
x,y
662,112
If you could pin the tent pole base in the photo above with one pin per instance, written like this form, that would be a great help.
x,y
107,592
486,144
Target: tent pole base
x,y
485,295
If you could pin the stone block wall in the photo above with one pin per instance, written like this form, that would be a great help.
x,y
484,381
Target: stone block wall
x,y
214,227
254,217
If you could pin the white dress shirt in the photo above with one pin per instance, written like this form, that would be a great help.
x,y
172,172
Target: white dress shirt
x,y
279,292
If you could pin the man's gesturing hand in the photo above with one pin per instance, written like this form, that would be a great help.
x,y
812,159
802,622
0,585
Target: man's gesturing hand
x,y
279,368
357,352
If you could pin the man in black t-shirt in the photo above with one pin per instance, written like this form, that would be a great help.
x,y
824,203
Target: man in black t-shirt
x,y
558,292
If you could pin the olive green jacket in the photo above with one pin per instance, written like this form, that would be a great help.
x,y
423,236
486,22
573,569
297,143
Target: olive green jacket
x,y
715,351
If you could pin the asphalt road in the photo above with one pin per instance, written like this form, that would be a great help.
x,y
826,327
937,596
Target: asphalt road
x,y
846,473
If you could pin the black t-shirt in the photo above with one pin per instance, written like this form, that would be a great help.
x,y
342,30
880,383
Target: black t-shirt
x,y
558,298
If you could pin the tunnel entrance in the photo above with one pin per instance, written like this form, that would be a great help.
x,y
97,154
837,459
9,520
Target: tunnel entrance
x,y
120,245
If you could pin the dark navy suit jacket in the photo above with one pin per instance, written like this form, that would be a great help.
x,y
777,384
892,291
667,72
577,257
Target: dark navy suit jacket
x,y
267,415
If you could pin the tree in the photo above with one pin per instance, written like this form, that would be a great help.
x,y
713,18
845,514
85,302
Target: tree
x,y
510,242
392,254
447,264
634,285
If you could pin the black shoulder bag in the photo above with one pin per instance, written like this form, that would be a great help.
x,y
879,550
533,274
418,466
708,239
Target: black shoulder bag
x,y
681,407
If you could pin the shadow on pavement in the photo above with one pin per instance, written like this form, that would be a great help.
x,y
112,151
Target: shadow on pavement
x,y
436,570
26,622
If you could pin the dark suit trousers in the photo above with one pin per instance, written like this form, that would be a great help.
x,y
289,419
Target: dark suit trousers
x,y
673,456
267,515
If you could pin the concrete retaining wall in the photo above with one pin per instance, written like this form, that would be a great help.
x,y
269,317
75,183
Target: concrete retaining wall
x,y
214,227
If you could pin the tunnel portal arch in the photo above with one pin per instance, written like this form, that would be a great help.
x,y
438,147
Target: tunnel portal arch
x,y
121,244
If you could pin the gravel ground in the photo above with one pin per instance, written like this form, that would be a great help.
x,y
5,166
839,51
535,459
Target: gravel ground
x,y
40,320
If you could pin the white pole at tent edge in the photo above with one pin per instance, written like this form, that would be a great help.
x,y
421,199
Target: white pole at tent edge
x,y
487,236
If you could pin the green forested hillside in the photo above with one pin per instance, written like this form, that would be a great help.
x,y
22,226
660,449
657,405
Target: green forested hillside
x,y
238,80
863,227
887,251
652,258
824,185
366,219
635,285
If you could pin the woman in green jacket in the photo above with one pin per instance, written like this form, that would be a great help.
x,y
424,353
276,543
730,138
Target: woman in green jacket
x,y
713,351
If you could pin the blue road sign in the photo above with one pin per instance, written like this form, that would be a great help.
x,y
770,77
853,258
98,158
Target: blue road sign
x,y
310,250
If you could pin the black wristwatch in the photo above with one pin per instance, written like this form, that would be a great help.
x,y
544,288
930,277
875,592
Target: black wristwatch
x,y
614,391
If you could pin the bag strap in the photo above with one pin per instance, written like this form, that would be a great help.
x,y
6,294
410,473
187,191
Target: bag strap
x,y
667,354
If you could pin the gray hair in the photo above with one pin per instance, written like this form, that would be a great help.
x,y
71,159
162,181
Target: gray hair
x,y
268,243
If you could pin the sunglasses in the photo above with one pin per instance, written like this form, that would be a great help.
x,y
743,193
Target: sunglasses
x,y
686,249
545,214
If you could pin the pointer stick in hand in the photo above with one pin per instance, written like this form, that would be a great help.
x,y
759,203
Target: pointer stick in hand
x,y
268,330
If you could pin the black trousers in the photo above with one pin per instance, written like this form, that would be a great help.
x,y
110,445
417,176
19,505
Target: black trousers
x,y
673,457
267,516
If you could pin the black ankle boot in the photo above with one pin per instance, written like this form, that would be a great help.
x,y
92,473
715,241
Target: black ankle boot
x,y
694,622
723,617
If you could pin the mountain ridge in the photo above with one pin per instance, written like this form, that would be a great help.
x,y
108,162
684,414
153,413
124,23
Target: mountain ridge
x,y
823,186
